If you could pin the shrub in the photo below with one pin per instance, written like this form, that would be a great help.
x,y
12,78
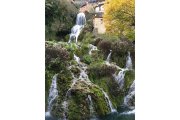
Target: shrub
x,y
87,59
121,46
53,53
105,46
98,70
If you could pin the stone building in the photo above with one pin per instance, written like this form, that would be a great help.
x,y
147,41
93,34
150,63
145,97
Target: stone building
x,y
98,18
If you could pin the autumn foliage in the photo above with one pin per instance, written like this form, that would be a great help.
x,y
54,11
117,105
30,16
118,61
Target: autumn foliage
x,y
119,17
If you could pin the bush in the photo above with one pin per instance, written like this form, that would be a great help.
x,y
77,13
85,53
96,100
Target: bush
x,y
105,46
57,13
53,53
87,59
98,70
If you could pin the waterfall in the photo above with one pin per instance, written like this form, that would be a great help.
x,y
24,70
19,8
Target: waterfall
x,y
129,62
81,19
120,78
109,57
65,102
91,108
53,93
109,102
82,67
130,95
76,29
83,75
77,59
92,48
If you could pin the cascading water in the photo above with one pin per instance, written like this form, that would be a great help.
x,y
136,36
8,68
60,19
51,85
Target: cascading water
x,y
81,19
77,59
120,78
83,75
109,102
109,57
82,68
91,108
129,62
130,95
92,48
53,93
76,29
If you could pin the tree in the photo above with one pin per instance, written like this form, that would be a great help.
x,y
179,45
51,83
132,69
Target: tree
x,y
59,17
119,17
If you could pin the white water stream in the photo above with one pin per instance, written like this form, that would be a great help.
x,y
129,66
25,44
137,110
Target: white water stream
x,y
129,62
76,29
53,93
109,102
130,95
91,108
109,57
120,76
92,48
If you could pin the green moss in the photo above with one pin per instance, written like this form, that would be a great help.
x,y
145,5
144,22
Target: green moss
x,y
78,108
87,59
100,69
129,78
64,81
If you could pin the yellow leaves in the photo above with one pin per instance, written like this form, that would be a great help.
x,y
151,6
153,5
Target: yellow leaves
x,y
119,16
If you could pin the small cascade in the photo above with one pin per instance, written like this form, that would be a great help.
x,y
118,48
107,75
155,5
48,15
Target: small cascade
x,y
130,95
53,93
91,108
109,57
77,59
128,112
76,29
81,19
129,62
109,102
120,78
83,75
92,48
65,102
82,67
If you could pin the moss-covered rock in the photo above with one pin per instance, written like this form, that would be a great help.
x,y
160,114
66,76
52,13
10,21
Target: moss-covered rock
x,y
100,69
78,105
64,80
128,80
